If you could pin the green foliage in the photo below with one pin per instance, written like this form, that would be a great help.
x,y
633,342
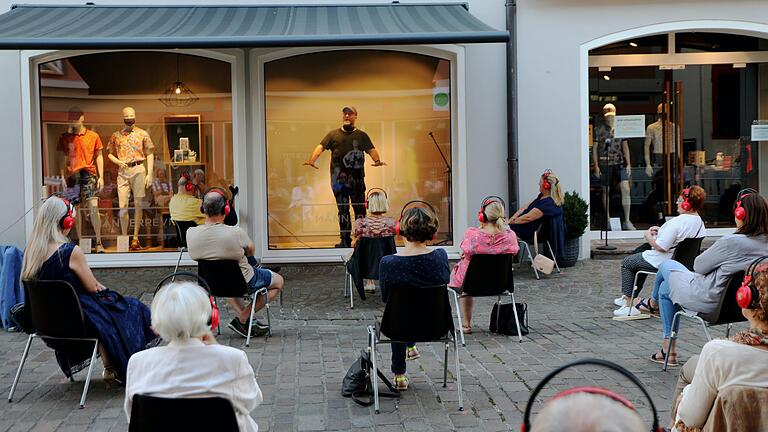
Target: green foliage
x,y
574,215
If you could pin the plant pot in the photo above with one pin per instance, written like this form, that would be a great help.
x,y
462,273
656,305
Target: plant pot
x,y
571,252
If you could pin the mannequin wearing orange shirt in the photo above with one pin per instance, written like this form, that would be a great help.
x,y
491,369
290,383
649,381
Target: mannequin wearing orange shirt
x,y
84,164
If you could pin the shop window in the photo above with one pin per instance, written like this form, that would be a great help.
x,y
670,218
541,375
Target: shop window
x,y
656,44
403,105
181,106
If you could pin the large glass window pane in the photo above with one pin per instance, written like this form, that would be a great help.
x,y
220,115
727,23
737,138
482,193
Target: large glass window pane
x,y
403,105
182,109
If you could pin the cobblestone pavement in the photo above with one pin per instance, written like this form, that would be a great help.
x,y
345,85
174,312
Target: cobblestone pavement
x,y
316,337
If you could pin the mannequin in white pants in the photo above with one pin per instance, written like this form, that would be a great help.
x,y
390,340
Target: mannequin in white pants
x,y
84,164
613,154
131,149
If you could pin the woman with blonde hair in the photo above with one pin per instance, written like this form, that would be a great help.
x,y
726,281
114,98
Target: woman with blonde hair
x,y
492,237
50,256
375,225
548,203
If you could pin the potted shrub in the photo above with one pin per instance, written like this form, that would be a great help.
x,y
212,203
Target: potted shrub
x,y
576,220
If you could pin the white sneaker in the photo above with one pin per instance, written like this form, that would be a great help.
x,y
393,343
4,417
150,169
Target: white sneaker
x,y
625,313
624,310
620,301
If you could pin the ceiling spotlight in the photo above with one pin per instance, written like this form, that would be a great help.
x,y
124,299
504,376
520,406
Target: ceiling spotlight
x,y
606,77
633,45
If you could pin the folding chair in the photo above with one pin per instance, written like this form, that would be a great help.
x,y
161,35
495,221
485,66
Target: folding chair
x,y
417,314
157,414
488,276
727,312
56,314
544,234
226,280
181,236
364,263
685,253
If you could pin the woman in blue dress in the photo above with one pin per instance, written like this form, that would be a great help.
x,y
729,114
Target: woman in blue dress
x,y
122,324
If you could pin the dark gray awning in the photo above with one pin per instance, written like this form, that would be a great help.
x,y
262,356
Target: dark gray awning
x,y
89,26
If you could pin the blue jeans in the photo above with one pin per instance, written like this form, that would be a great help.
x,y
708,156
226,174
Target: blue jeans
x,y
398,357
661,294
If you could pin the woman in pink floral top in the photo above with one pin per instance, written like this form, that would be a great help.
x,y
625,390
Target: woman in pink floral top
x,y
376,224
493,237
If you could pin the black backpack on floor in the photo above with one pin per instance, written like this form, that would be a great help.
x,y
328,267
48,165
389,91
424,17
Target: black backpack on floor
x,y
358,382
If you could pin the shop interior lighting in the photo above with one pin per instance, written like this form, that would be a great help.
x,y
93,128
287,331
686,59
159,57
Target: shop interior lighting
x,y
178,94
739,65
606,77
633,45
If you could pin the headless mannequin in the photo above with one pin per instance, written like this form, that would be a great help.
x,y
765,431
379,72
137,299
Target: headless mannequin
x,y
77,126
129,118
654,135
606,139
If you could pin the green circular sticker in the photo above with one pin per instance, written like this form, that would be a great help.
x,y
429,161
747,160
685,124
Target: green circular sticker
x,y
441,99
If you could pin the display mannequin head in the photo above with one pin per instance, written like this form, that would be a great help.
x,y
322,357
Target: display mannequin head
x,y
349,117
609,113
129,117
660,111
75,120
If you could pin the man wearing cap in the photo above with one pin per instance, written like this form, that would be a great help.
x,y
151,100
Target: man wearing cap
x,y
348,146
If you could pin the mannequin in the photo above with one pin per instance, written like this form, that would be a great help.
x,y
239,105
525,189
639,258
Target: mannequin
x,y
131,149
613,154
654,135
81,148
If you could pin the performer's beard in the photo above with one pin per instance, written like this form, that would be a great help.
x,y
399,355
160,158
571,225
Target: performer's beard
x,y
348,127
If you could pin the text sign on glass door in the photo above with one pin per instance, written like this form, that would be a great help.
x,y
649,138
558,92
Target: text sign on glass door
x,y
630,126
760,131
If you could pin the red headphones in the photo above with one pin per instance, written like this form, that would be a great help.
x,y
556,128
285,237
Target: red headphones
x,y
68,220
214,320
526,426
481,216
686,204
188,186
547,185
405,207
748,296
226,208
370,192
740,212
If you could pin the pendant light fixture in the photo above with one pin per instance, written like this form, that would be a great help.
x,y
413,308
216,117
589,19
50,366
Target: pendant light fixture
x,y
177,94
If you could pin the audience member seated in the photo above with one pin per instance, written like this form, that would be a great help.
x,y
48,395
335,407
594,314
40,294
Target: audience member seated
x,y
585,412
413,267
661,242
121,324
527,220
740,361
161,190
700,291
493,237
376,225
193,365
217,241
184,206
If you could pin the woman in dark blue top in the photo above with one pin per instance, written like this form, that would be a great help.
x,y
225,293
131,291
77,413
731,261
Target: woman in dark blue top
x,y
527,220
121,324
414,266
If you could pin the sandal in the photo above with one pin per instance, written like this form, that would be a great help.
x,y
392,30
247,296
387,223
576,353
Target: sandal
x,y
644,306
467,329
660,359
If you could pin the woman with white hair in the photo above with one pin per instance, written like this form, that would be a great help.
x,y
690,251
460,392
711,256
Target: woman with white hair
x,y
192,365
122,324
375,225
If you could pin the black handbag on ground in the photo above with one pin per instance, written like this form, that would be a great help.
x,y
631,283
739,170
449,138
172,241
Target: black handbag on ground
x,y
507,319
358,384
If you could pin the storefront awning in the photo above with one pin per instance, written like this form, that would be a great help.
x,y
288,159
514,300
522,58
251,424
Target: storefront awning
x,y
112,27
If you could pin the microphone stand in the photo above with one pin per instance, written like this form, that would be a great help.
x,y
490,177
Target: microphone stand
x,y
607,195
449,177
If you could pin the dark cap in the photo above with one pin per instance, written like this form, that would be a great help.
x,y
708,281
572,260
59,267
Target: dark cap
x,y
349,108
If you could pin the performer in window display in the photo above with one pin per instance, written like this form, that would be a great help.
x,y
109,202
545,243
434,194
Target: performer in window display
x,y
348,146
132,150
612,164
84,163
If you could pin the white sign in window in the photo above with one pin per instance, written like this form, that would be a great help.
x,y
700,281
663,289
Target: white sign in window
x,y
630,126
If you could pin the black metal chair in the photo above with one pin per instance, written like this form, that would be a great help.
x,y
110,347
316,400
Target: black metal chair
x,y
55,312
417,314
226,280
157,414
685,253
544,235
181,236
364,263
727,312
488,276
